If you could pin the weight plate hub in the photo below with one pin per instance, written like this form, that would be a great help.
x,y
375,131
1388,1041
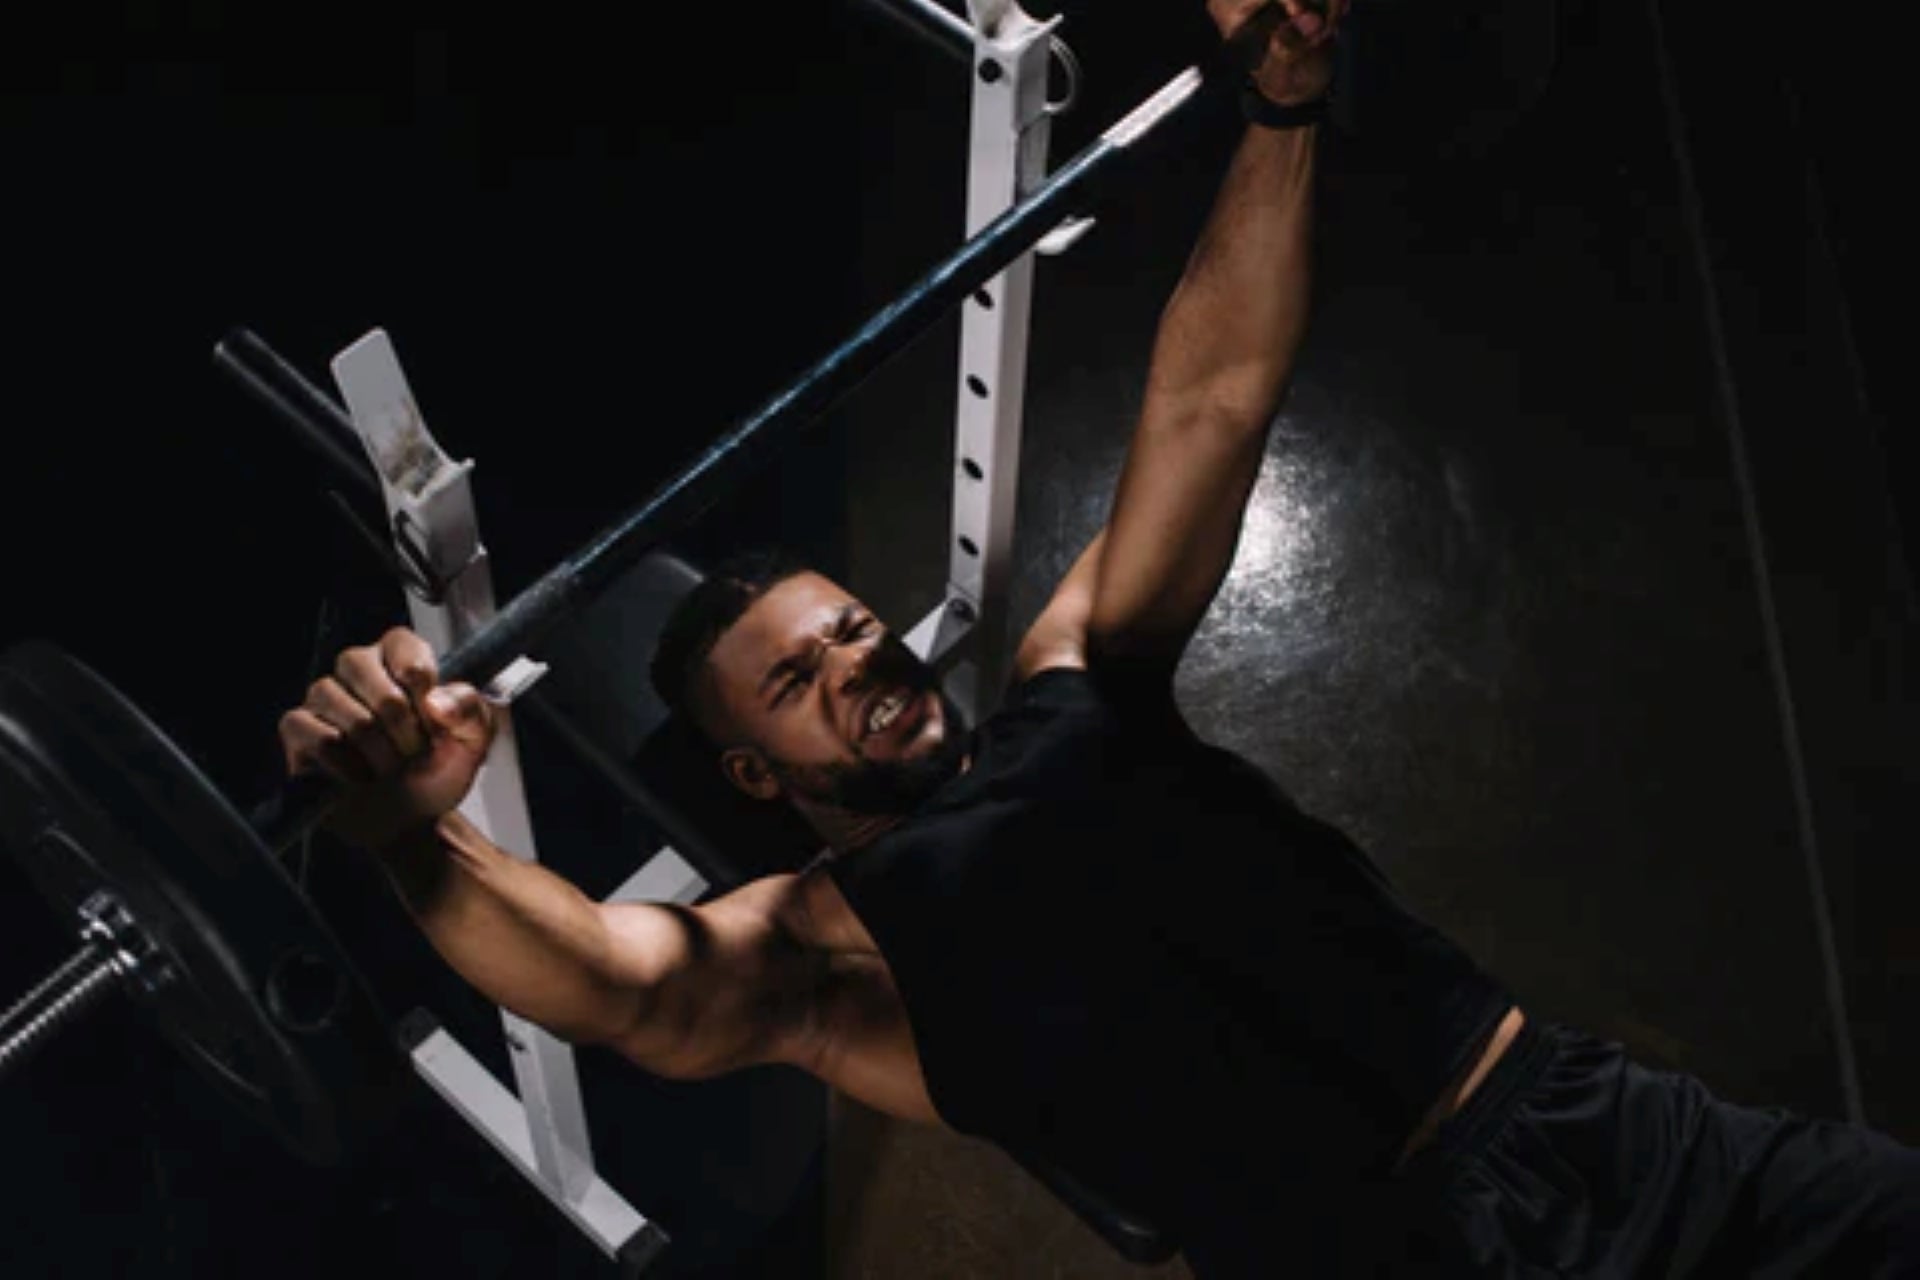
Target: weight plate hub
x,y
256,992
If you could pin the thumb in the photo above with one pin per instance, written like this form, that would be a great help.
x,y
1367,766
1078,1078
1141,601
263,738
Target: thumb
x,y
458,710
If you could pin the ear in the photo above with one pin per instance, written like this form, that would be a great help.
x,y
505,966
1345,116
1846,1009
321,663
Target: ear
x,y
747,769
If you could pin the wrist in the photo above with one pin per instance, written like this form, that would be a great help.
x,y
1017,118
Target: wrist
x,y
1259,109
415,859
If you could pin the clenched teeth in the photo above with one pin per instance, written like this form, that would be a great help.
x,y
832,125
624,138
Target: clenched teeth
x,y
886,713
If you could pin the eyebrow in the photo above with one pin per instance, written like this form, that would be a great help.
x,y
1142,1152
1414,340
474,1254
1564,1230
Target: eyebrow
x,y
787,664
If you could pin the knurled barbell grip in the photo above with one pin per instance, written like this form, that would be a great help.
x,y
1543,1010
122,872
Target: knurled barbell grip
x,y
301,802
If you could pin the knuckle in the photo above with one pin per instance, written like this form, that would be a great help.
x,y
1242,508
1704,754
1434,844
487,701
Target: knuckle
x,y
319,695
402,640
392,709
408,657
363,736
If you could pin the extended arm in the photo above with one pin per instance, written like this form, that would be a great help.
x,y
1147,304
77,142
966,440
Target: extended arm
x,y
685,991
1225,347
1221,359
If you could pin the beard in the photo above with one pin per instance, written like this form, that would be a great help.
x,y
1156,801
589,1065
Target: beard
x,y
886,788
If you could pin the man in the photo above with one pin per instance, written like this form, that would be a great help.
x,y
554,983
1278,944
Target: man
x,y
1083,933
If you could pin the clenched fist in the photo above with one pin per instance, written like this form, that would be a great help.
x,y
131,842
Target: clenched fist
x,y
1297,65
406,747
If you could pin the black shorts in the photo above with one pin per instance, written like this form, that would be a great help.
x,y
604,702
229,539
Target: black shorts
x,y
1571,1160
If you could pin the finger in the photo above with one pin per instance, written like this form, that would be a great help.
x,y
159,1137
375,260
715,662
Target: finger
x,y
1276,24
364,672
1335,15
409,660
357,726
1307,22
314,746
1250,34
346,762
302,734
1231,15
458,710
1290,39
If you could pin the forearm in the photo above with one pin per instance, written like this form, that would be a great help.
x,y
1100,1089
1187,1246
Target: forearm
x,y
524,937
1075,595
1228,334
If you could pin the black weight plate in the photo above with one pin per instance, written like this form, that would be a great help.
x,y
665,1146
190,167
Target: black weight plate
x,y
93,796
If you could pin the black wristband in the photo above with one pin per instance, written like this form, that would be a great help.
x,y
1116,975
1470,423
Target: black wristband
x,y
1259,109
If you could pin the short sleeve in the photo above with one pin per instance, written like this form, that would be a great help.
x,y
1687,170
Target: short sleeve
x,y
1069,689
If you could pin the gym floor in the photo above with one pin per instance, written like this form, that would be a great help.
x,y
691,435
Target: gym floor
x,y
1574,587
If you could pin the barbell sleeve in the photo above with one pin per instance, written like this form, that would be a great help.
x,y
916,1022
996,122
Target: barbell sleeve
x,y
74,989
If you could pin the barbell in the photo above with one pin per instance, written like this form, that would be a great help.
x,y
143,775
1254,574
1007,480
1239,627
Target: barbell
x,y
183,903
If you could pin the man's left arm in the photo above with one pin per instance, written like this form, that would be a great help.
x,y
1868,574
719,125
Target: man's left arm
x,y
1222,356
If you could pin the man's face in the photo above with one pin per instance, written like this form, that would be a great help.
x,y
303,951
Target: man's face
x,y
824,705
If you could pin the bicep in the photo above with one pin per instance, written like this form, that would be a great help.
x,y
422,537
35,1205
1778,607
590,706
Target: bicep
x,y
726,986
1176,521
706,989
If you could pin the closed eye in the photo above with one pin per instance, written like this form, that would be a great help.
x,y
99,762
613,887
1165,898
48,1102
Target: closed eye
x,y
847,628
792,684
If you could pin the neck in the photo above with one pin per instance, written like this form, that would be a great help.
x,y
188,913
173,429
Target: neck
x,y
845,831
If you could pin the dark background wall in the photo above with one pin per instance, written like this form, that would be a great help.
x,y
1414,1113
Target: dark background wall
x,y
1689,611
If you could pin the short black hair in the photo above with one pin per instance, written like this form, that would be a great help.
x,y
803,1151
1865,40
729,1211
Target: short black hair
x,y
705,614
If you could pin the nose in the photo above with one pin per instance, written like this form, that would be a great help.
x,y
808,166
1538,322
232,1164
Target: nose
x,y
847,664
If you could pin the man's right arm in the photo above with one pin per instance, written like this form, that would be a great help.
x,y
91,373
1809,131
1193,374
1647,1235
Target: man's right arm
x,y
686,992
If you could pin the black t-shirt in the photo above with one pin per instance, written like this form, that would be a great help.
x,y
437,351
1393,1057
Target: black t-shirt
x,y
1125,952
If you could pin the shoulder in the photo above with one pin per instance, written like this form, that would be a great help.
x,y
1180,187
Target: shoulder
x,y
1044,651
1060,685
805,908
1108,695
